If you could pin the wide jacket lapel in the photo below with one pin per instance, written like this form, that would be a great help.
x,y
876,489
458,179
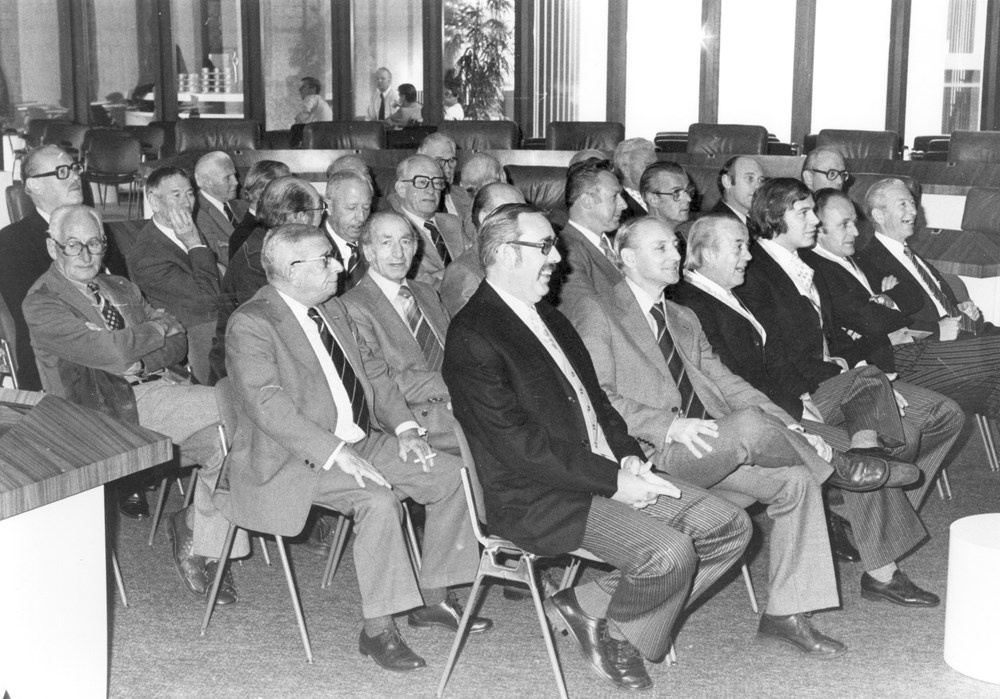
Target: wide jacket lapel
x,y
637,329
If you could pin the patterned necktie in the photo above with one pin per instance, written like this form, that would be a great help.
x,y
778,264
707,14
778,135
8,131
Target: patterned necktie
x,y
359,406
691,406
608,252
438,240
937,292
112,318
352,261
229,214
422,332
381,106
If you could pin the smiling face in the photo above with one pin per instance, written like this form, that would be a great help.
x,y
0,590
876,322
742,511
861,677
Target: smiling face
x,y
531,271
838,227
800,226
651,258
392,247
422,202
81,227
725,263
49,193
743,181
897,218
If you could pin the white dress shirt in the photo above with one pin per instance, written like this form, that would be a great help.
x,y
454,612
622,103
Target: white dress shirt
x,y
727,297
169,232
895,249
847,264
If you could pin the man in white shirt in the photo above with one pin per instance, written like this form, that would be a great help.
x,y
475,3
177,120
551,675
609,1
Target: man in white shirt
x,y
218,211
632,157
349,202
739,178
667,192
314,107
384,100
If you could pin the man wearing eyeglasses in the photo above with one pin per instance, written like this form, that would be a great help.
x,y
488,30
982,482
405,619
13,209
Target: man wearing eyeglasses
x,y
668,194
323,423
455,200
739,178
824,169
419,184
51,179
81,319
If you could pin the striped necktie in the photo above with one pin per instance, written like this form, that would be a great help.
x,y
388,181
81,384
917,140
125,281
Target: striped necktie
x,y
359,406
937,292
422,332
112,317
691,406
608,251
438,241
230,216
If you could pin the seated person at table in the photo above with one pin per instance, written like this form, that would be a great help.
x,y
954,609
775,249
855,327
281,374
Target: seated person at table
x,y
409,110
314,107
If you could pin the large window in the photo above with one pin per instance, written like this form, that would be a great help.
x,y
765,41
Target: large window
x,y
851,64
208,40
122,75
295,35
30,68
390,35
756,51
479,56
664,66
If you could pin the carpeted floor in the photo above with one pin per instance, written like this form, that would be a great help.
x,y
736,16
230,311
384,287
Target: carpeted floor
x,y
253,649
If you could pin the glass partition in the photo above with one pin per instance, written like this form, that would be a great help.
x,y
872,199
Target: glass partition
x,y
31,80
386,35
209,48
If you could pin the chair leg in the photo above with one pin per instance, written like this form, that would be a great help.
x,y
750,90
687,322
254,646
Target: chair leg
x,y
460,634
263,550
336,551
569,575
749,583
943,484
192,481
293,593
227,546
161,498
412,534
672,655
546,631
118,577
986,433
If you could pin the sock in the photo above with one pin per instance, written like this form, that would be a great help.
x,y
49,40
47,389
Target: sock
x,y
615,632
592,600
378,624
433,595
884,574
864,439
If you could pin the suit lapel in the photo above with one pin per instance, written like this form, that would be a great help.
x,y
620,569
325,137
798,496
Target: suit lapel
x,y
633,319
430,307
597,258
85,305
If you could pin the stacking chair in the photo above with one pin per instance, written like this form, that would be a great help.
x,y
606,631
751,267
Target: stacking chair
x,y
19,204
7,363
113,158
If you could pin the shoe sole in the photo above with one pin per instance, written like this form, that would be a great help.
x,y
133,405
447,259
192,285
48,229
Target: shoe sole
x,y
562,625
778,641
434,624
366,654
879,597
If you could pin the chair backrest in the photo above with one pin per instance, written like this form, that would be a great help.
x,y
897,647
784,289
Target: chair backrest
x,y
35,129
151,138
19,204
862,145
542,185
580,135
113,152
124,234
8,363
344,135
216,134
726,139
976,146
982,210
65,134
482,135
99,116
473,490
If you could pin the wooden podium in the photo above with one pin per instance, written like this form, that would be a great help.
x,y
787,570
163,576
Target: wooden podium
x,y
55,458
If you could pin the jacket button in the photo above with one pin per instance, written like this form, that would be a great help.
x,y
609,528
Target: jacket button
x,y
571,399
584,443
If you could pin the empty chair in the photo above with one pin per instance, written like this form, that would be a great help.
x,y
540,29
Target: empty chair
x,y
578,135
68,135
862,145
930,147
975,146
19,204
344,135
216,134
726,139
35,129
482,135
113,158
151,137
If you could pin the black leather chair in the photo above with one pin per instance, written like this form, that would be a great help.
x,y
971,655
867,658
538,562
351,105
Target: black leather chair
x,y
726,139
543,186
152,138
68,135
924,146
982,210
862,145
113,158
976,146
580,135
344,135
35,129
482,135
216,134
19,204
671,141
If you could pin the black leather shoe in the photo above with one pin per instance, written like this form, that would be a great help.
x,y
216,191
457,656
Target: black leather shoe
x,y
843,549
517,592
858,473
629,669
389,650
901,473
320,538
900,590
447,614
795,630
191,568
566,616
227,587
133,505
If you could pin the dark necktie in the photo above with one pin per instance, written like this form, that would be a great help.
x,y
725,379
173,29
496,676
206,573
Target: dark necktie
x,y
438,240
937,292
229,214
359,406
381,106
112,317
691,406
352,261
422,332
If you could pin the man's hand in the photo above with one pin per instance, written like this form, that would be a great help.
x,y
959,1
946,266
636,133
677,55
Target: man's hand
x,y
890,282
642,491
901,402
948,329
883,300
689,431
824,450
411,441
636,466
183,225
970,309
841,362
352,464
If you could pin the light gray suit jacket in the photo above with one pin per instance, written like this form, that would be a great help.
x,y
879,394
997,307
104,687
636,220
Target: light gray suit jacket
x,y
585,271
428,267
215,227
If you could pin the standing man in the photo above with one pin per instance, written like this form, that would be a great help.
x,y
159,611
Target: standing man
x,y
668,193
349,202
384,100
632,157
322,423
51,179
559,470
739,178
218,211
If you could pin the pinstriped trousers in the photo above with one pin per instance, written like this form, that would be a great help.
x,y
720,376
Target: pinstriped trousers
x,y
861,399
966,370
663,555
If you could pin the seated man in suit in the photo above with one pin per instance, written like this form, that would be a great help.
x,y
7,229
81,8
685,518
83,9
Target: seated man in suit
x,y
668,193
739,178
884,522
260,175
559,470
217,211
454,199
355,163
824,168
51,179
632,157
463,276
589,265
79,317
174,267
321,422
785,296
419,184
405,322
961,356
348,204
480,170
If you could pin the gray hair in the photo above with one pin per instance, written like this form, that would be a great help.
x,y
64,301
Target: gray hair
x,y
500,228
342,177
287,234
260,175
877,195
704,235
64,217
283,197
368,229
30,166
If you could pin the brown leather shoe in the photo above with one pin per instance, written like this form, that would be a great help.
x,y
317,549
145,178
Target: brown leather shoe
x,y
900,590
796,631
227,587
447,614
390,651
191,568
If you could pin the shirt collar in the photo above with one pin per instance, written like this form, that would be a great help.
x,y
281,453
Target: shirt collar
x,y
520,308
213,201
593,238
780,254
893,245
46,217
823,252
388,286
696,278
413,217
644,299
342,245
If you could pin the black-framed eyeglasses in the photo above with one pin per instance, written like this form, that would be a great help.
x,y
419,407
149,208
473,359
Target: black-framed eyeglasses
x,y
325,259
832,174
545,245
95,246
676,194
322,207
450,162
61,172
423,181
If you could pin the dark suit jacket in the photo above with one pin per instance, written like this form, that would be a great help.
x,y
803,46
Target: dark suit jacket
x,y
244,229
23,259
633,209
740,346
584,270
721,208
525,426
